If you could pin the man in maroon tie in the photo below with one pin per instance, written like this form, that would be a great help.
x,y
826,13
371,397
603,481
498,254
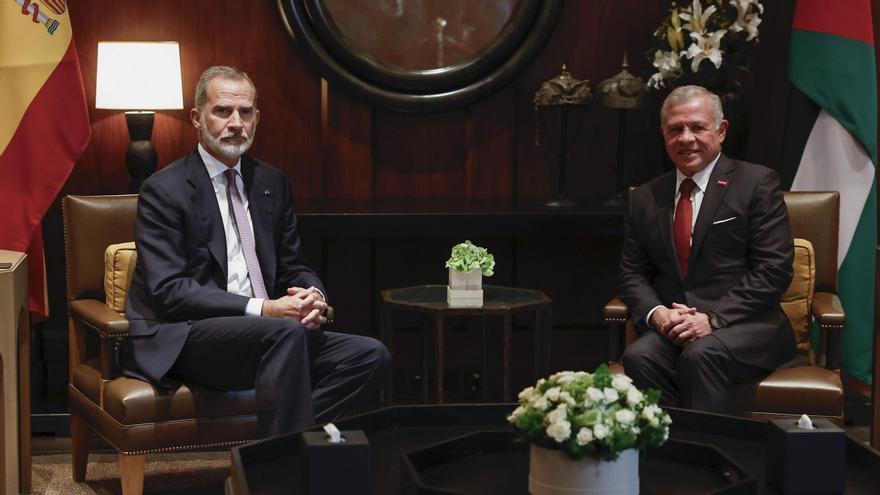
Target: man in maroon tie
x,y
707,255
221,295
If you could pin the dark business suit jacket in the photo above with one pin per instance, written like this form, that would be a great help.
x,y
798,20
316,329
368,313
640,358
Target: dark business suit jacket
x,y
740,262
181,270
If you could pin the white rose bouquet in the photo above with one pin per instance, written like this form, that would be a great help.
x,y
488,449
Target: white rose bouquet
x,y
583,414
705,42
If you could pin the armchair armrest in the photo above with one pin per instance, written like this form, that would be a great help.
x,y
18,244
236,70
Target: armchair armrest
x,y
108,323
828,313
616,311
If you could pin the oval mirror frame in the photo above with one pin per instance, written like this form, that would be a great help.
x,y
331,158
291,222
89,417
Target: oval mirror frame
x,y
421,91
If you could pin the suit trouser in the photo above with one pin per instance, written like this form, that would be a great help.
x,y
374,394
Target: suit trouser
x,y
300,376
696,376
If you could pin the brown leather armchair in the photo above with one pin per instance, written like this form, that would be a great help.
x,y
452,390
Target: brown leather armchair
x,y
133,416
814,387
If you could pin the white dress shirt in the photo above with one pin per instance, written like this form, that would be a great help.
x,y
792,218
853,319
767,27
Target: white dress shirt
x,y
237,279
701,180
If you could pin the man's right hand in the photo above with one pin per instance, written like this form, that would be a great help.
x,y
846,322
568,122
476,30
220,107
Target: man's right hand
x,y
664,319
297,306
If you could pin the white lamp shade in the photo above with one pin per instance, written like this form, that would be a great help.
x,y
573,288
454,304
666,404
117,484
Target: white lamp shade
x,y
139,76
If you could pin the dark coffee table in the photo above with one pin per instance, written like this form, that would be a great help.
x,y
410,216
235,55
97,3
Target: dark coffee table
x,y
399,434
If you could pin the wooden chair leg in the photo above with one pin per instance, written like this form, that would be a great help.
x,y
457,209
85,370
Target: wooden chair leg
x,y
80,438
131,473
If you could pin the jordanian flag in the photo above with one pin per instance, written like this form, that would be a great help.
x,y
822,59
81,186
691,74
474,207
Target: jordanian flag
x,y
831,63
44,124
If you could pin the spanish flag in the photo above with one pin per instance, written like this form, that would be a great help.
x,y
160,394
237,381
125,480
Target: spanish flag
x,y
44,123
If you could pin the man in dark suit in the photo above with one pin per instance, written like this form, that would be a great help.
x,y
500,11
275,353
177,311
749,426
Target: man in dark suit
x,y
221,296
707,255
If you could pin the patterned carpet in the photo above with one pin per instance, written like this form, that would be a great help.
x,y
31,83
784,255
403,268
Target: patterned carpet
x,y
199,473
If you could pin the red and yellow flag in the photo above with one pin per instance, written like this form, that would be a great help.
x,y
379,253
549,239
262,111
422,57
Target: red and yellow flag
x,y
44,123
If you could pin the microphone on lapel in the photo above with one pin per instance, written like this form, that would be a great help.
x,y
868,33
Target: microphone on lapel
x,y
722,182
267,192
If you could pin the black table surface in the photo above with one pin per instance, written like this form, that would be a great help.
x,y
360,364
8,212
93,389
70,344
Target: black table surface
x,y
270,466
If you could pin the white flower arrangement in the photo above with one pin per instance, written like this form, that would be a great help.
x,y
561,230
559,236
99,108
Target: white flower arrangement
x,y
705,43
599,414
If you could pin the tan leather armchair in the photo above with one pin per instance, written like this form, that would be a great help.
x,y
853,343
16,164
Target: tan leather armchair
x,y
814,387
135,417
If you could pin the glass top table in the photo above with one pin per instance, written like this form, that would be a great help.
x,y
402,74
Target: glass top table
x,y
497,301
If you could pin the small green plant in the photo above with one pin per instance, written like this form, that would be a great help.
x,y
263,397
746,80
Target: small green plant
x,y
598,415
467,256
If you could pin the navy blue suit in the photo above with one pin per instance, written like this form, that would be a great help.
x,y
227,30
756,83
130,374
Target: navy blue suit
x,y
184,324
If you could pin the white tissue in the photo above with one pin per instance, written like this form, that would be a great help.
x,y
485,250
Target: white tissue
x,y
805,423
333,433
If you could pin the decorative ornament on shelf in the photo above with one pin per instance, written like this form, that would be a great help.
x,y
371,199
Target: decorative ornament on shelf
x,y
555,101
586,430
468,264
706,42
624,92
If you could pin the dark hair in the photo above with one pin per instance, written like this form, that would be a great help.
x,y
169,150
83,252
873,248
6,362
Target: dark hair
x,y
225,72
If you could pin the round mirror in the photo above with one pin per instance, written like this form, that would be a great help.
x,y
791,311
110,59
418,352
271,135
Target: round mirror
x,y
420,55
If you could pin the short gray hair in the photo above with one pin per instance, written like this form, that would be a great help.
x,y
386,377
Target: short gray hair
x,y
684,94
225,72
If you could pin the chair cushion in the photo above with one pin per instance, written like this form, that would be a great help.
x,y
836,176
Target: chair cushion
x,y
788,391
797,299
119,262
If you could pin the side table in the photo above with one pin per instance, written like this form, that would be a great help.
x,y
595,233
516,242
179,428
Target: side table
x,y
500,301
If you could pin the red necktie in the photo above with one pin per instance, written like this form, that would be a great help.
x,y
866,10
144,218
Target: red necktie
x,y
681,225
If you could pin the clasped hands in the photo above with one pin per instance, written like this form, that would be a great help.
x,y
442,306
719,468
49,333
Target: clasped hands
x,y
681,324
306,305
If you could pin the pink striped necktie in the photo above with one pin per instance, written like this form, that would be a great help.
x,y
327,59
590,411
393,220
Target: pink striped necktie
x,y
245,235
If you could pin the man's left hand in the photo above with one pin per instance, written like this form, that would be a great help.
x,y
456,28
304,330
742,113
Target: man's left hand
x,y
313,308
694,326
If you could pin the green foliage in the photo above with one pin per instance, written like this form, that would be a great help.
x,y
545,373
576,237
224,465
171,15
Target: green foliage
x,y
467,256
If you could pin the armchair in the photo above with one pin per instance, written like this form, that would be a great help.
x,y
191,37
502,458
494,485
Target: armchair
x,y
135,417
814,387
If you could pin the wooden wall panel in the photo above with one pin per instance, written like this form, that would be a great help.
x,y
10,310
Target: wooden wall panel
x,y
347,144
491,147
420,156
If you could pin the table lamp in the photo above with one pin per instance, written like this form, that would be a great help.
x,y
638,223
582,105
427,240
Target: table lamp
x,y
139,77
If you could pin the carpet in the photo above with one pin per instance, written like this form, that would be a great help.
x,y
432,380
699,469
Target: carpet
x,y
199,473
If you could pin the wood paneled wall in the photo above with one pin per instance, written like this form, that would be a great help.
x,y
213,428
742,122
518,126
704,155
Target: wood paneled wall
x,y
334,146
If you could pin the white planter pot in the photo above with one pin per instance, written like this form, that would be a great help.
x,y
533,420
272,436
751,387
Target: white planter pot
x,y
552,472
465,289
472,280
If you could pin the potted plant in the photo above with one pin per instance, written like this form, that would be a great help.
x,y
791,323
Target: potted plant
x,y
586,431
467,265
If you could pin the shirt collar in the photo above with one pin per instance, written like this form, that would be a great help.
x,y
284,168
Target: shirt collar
x,y
216,167
701,178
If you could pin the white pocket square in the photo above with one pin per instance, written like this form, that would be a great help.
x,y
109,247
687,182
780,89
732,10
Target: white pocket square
x,y
724,221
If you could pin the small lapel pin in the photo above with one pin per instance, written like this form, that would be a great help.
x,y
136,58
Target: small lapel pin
x,y
722,182
267,192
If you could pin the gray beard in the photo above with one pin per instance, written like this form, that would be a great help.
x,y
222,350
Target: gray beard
x,y
226,150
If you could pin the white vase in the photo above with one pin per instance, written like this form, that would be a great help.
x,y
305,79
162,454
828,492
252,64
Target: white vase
x,y
553,472
472,280
465,289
